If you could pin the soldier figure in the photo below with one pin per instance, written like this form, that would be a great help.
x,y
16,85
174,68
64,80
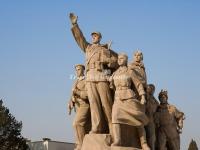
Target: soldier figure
x,y
127,108
79,101
169,122
138,67
98,57
151,107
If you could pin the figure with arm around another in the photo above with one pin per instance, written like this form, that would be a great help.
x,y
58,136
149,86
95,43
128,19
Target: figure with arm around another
x,y
80,101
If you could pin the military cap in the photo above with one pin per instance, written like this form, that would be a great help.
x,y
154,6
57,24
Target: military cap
x,y
98,33
77,65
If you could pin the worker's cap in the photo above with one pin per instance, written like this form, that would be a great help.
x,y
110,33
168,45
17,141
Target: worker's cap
x,y
163,92
80,65
98,33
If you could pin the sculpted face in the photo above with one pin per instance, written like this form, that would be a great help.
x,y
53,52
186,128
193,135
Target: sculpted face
x,y
150,89
95,38
163,99
79,71
122,60
138,56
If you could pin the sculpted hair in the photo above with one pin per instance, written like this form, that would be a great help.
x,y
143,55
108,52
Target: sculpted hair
x,y
139,52
124,55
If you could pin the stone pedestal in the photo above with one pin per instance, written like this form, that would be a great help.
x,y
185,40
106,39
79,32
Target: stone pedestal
x,y
104,141
130,137
96,142
123,148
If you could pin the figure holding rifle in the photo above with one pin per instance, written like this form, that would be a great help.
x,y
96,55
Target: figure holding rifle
x,y
79,102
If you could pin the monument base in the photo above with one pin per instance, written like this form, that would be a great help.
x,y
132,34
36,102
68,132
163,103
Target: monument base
x,y
101,142
123,148
96,142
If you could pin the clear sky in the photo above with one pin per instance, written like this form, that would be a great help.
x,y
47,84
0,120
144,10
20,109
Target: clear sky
x,y
38,53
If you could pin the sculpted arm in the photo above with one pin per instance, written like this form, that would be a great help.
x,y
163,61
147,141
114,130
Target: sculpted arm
x,y
139,87
71,103
180,117
81,93
77,33
156,119
111,80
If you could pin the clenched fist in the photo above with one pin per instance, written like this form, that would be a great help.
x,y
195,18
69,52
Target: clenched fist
x,y
73,18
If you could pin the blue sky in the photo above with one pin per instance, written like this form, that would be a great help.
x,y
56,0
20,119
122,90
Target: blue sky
x,y
38,53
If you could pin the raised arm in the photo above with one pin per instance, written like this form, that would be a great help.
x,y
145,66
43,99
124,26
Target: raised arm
x,y
77,33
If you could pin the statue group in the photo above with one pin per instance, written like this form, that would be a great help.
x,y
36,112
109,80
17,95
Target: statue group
x,y
113,100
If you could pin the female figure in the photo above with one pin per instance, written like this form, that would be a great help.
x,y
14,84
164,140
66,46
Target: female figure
x,y
127,108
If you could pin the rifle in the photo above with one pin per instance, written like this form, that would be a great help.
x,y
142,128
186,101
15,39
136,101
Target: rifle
x,y
71,104
72,101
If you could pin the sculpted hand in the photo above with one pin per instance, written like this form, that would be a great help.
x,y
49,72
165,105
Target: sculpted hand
x,y
70,107
73,18
143,100
180,124
76,92
73,91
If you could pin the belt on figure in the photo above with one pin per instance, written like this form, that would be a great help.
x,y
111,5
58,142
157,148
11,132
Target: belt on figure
x,y
95,65
90,66
123,88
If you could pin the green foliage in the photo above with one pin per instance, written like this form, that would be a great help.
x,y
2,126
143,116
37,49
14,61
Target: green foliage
x,y
193,145
10,131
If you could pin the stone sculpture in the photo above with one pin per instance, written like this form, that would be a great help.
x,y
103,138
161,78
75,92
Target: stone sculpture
x,y
151,107
97,57
169,122
79,101
138,67
136,120
127,108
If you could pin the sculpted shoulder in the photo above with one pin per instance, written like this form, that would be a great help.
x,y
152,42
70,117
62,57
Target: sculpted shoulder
x,y
115,72
171,108
131,66
131,72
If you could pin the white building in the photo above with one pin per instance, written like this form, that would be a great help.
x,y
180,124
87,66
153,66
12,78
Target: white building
x,y
48,144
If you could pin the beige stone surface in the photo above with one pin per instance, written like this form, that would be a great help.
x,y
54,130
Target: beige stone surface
x,y
138,67
96,142
128,108
123,148
151,107
99,58
80,103
169,122
108,78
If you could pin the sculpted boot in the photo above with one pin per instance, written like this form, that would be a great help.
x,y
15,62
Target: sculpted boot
x,y
111,130
116,135
79,135
143,140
